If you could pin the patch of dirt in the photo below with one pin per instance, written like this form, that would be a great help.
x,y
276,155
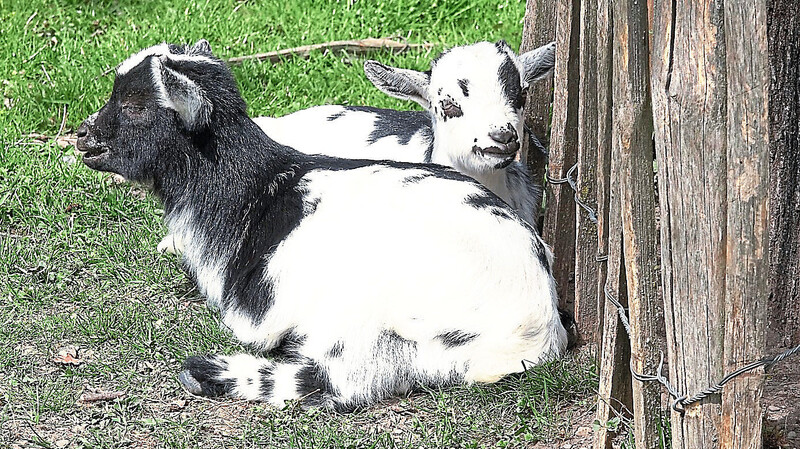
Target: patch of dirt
x,y
578,434
781,402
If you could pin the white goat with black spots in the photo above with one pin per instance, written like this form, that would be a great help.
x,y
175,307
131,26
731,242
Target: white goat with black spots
x,y
473,96
353,279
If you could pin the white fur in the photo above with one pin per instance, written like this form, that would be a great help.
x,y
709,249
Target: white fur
x,y
484,110
427,297
395,276
208,271
346,137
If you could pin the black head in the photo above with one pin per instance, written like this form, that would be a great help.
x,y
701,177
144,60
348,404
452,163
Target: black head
x,y
163,107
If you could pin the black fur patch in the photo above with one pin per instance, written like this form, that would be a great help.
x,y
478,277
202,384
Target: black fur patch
x,y
463,84
311,206
391,338
429,151
313,384
333,117
452,339
267,381
509,78
336,350
501,213
207,372
416,178
538,247
484,201
402,124
288,349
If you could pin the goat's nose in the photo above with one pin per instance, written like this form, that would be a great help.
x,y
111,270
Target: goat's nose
x,y
83,130
504,135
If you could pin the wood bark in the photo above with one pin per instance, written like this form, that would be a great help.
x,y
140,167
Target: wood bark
x,y
614,392
633,131
709,89
539,29
747,237
689,96
559,220
587,310
604,123
783,34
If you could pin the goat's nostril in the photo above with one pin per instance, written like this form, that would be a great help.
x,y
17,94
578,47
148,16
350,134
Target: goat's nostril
x,y
82,130
503,135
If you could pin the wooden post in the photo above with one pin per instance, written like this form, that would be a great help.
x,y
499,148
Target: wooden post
x,y
539,29
614,395
690,133
747,237
709,90
633,131
604,123
559,220
783,34
587,310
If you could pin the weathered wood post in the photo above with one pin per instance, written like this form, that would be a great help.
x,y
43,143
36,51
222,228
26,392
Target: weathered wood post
x,y
559,220
614,395
587,306
709,92
783,33
539,28
747,234
633,139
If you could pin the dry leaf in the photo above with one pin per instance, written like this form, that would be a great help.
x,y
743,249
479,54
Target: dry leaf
x,y
67,140
68,356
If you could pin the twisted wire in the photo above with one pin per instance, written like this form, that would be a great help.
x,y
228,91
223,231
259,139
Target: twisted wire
x,y
680,401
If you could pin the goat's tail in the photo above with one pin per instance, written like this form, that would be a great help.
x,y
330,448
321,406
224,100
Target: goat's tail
x,y
259,379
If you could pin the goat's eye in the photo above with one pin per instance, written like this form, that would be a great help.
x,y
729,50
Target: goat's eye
x,y
451,109
132,108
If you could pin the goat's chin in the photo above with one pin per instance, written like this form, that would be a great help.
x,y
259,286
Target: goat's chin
x,y
102,162
97,162
488,161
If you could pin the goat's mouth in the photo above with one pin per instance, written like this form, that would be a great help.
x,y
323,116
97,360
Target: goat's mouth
x,y
91,154
499,156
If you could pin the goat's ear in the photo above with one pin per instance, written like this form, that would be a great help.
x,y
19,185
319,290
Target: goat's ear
x,y
201,47
181,94
399,83
538,63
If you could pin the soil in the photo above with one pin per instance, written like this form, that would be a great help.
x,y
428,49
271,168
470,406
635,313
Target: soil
x,y
781,402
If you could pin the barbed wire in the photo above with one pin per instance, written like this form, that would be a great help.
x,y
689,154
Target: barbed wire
x,y
680,401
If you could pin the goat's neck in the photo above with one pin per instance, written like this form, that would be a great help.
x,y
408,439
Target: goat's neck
x,y
215,194
493,179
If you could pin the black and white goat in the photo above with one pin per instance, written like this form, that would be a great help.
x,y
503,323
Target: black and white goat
x,y
473,96
356,279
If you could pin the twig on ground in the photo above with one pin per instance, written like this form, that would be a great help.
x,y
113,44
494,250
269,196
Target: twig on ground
x,y
100,396
357,46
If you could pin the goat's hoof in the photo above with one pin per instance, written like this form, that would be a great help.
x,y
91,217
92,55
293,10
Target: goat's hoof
x,y
169,245
190,383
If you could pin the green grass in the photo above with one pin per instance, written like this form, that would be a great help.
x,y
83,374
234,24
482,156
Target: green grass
x,y
77,259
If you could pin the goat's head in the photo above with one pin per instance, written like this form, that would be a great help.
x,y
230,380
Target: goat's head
x,y
161,107
475,95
